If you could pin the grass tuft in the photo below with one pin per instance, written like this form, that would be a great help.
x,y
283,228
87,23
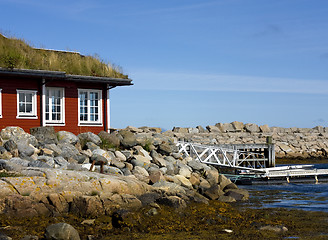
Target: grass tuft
x,y
16,53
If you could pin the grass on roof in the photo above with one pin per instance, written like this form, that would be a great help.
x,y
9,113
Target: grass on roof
x,y
16,53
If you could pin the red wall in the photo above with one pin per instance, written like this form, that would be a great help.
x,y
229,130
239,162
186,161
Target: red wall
x,y
9,86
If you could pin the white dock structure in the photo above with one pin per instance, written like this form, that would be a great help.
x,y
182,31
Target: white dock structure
x,y
255,161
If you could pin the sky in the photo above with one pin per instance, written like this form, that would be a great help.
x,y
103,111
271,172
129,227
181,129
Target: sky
x,y
194,62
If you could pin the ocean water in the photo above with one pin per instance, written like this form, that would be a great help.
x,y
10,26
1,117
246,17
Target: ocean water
x,y
305,196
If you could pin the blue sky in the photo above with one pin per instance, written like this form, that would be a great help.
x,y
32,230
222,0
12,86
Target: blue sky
x,y
194,62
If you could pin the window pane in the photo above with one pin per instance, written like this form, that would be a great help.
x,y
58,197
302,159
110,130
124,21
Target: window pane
x,y
29,97
21,97
28,108
21,108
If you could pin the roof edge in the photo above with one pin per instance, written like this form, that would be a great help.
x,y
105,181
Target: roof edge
x,y
64,76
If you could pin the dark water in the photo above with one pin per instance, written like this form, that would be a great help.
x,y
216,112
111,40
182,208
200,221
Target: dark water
x,y
305,196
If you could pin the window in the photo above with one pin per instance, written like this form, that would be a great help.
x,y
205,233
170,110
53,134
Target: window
x,y
26,104
54,106
90,112
0,103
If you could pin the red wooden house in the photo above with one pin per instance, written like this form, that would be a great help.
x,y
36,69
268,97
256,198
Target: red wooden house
x,y
31,98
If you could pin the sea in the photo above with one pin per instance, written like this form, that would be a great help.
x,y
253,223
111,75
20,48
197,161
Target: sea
x,y
305,196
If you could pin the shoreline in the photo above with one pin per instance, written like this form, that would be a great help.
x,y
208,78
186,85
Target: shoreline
x,y
198,221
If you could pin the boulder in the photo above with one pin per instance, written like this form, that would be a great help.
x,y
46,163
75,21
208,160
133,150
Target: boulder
x,y
172,201
25,150
213,192
68,151
120,156
18,134
201,129
238,194
265,128
211,128
225,127
252,128
196,165
61,231
237,126
110,139
89,137
128,139
180,130
184,181
46,135
156,176
67,137
100,156
165,149
10,145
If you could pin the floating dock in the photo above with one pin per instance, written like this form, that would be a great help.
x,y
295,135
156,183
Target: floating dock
x,y
250,162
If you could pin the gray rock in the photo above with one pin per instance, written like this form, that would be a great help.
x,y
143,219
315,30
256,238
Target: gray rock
x,y
61,231
53,147
165,149
67,137
4,237
180,130
110,139
252,128
120,156
196,165
128,139
156,176
172,201
61,162
211,128
149,198
113,170
68,151
238,194
48,160
2,150
39,164
213,192
25,150
226,127
89,137
19,161
9,166
159,161
18,134
91,146
201,129
237,126
126,171
118,164
10,145
100,155
193,130
265,128
46,135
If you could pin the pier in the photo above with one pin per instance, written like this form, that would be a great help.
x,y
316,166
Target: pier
x,y
249,161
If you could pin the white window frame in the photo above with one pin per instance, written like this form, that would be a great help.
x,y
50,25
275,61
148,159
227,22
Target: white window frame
x,y
33,114
100,111
51,122
0,103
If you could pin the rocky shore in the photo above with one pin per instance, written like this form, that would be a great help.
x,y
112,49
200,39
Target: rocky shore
x,y
290,143
47,173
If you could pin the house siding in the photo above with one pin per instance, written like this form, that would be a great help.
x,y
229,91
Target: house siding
x,y
9,86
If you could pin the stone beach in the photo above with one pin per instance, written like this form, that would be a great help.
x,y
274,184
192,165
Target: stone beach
x,y
46,173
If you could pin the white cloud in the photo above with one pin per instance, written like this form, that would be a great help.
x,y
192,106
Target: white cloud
x,y
154,80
